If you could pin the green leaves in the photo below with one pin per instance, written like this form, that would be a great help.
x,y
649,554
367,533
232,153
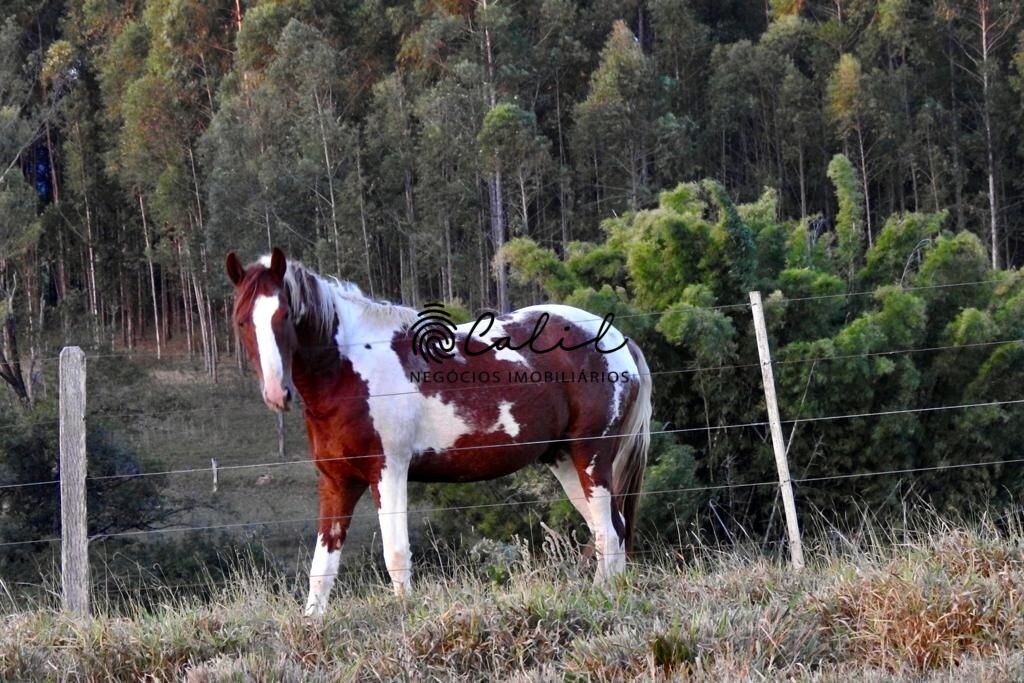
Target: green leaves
x,y
708,334
900,248
531,263
849,219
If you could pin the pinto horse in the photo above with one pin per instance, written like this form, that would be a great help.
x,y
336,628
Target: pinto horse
x,y
383,407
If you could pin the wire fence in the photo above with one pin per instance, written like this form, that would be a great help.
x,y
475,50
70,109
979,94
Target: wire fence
x,y
769,303
267,524
546,501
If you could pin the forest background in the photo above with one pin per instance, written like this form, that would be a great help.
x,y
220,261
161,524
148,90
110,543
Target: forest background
x,y
657,159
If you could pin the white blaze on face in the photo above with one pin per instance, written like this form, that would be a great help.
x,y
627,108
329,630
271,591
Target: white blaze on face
x,y
270,357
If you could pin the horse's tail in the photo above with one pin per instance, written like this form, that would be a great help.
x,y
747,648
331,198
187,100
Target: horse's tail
x,y
631,458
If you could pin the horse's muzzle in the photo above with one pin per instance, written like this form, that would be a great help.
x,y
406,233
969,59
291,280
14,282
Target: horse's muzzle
x,y
278,400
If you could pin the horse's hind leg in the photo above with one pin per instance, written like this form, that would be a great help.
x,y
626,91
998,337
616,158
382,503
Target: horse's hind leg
x,y
592,460
569,478
337,501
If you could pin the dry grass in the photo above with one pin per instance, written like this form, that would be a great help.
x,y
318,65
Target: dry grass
x,y
946,606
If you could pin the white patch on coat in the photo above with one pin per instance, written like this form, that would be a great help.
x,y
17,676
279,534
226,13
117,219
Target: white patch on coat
x,y
322,572
440,425
506,421
270,357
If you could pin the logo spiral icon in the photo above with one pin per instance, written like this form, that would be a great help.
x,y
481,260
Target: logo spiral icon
x,y
433,334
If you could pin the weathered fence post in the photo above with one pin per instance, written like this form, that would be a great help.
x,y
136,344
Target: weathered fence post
x,y
280,436
775,424
74,548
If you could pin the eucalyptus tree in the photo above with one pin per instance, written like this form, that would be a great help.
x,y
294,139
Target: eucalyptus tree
x,y
849,109
984,30
614,124
23,118
448,172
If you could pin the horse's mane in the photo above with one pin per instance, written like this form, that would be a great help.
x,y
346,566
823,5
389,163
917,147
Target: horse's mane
x,y
318,298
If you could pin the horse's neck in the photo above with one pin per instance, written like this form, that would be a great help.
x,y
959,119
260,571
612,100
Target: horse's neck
x,y
327,353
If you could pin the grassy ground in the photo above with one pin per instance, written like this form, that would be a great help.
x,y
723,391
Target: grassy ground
x,y
942,605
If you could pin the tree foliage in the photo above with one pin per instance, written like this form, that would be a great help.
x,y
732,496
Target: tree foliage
x,y
656,159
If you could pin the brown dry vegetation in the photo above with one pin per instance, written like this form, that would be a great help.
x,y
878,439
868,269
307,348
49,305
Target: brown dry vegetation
x,y
944,605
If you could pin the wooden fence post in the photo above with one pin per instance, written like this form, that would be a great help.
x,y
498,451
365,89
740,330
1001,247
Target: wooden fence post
x,y
775,424
74,546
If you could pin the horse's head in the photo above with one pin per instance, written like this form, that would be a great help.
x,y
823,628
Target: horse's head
x,y
265,323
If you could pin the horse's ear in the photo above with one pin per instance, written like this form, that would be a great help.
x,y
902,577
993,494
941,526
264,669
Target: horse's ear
x,y
236,271
277,264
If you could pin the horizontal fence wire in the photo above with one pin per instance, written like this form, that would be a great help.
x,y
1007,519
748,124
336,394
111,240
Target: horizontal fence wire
x,y
258,411
377,514
681,430
708,428
543,501
769,303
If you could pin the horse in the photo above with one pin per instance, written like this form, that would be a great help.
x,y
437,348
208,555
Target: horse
x,y
387,401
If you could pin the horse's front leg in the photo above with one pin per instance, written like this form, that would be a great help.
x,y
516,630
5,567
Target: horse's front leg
x,y
392,496
338,499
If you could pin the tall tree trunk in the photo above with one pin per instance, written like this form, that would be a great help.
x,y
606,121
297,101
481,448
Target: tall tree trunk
x,y
203,327
803,180
932,171
958,189
329,170
10,357
164,286
210,321
410,219
362,215
562,194
186,300
152,275
214,375
991,165
864,184
523,201
89,242
448,255
498,237
985,27
495,192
